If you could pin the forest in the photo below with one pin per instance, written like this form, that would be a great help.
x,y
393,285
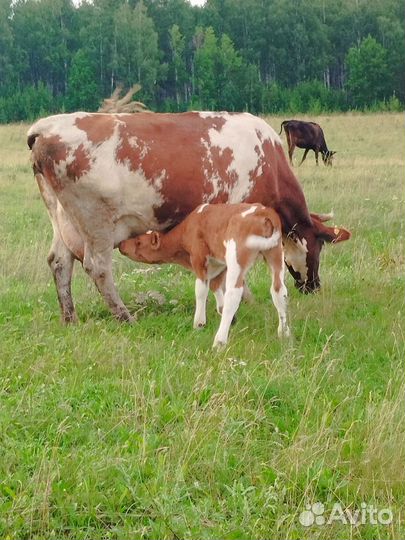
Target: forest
x,y
262,56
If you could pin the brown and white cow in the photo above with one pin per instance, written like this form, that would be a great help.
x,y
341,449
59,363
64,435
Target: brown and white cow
x,y
307,135
107,177
219,239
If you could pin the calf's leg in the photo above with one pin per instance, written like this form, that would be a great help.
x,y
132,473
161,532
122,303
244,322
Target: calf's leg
x,y
233,293
201,294
275,261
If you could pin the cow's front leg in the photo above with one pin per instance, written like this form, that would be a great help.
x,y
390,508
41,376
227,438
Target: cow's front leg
x,y
98,264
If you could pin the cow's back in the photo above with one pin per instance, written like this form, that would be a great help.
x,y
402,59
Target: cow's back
x,y
151,170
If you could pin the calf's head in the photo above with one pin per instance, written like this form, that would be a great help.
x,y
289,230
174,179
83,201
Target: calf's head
x,y
143,248
302,248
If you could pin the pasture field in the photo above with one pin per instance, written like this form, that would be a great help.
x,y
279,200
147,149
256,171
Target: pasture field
x,y
112,431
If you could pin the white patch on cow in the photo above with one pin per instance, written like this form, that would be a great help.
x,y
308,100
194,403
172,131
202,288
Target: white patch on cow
x,y
244,135
250,210
140,145
128,195
62,125
295,255
201,208
263,243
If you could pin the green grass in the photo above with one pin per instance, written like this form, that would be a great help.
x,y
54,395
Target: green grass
x,y
118,431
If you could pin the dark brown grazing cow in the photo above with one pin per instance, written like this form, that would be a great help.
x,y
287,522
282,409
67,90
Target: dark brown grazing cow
x,y
307,135
107,177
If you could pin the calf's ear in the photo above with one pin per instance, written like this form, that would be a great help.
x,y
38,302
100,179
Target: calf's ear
x,y
155,240
332,234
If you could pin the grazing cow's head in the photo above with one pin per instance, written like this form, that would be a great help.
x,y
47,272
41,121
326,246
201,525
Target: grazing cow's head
x,y
327,157
143,248
302,248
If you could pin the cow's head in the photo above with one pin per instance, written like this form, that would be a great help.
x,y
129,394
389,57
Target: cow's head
x,y
327,157
143,248
302,248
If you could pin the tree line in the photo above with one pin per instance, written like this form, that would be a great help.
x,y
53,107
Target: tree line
x,y
263,56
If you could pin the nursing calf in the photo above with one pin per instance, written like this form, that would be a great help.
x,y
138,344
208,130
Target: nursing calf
x,y
220,242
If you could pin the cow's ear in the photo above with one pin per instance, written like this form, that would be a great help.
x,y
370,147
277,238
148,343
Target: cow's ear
x,y
332,234
155,240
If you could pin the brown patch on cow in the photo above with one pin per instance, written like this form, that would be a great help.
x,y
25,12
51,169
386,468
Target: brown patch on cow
x,y
80,165
99,131
48,152
171,150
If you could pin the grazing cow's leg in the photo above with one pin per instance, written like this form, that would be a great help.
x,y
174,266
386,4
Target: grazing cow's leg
x,y
304,156
201,294
97,263
316,155
233,292
275,261
290,145
291,148
60,260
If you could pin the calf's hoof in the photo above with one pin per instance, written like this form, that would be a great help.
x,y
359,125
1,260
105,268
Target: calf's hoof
x,y
199,325
218,344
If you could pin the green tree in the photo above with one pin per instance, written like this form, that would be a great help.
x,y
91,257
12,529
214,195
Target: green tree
x,y
83,92
205,67
178,64
370,76
136,48
6,45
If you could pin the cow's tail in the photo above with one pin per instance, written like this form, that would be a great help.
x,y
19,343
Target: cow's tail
x,y
31,138
281,127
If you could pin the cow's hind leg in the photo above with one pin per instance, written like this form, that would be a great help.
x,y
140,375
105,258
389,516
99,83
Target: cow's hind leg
x,y
304,156
60,260
60,257
97,263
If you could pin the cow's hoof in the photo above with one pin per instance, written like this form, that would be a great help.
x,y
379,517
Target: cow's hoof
x,y
125,316
70,318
